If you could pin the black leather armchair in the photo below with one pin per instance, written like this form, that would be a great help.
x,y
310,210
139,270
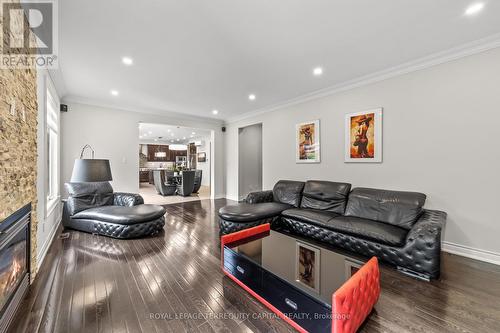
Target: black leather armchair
x,y
197,180
95,208
187,184
162,187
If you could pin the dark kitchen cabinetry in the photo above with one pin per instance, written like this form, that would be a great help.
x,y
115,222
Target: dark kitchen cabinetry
x,y
158,153
169,155
144,176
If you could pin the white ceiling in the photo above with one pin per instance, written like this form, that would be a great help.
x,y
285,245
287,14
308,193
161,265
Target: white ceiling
x,y
166,134
192,56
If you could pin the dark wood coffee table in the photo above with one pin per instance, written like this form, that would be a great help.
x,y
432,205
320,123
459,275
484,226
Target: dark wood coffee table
x,y
292,276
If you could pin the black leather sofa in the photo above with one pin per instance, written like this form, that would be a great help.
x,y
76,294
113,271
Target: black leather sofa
x,y
391,225
95,208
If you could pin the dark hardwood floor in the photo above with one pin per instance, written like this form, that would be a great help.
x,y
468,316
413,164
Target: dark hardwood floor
x,y
173,283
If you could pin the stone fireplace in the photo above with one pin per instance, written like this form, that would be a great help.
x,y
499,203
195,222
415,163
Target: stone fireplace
x,y
15,257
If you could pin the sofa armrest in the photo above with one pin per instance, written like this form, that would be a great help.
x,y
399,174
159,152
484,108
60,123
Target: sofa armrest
x,y
428,227
259,197
127,199
423,243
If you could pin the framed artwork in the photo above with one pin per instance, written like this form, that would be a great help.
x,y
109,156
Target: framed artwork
x,y
202,157
351,267
307,266
363,136
307,142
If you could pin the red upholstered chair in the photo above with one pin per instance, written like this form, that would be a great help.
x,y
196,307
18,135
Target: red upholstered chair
x,y
354,301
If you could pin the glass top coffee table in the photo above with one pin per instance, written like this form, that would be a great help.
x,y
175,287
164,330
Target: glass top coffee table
x,y
293,276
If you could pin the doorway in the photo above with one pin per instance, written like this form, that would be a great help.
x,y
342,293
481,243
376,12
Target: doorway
x,y
167,154
249,160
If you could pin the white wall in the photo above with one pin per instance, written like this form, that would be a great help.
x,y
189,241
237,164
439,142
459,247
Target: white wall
x,y
204,166
114,135
440,138
250,160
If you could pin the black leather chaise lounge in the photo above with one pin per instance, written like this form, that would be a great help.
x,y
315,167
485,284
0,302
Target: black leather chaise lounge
x,y
391,225
94,208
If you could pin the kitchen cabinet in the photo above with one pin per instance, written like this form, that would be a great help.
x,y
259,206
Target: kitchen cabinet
x,y
154,149
170,155
144,176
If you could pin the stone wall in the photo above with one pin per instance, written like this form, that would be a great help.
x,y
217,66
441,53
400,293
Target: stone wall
x,y
18,145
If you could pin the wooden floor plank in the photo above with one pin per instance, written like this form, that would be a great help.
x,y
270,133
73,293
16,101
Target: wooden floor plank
x,y
90,283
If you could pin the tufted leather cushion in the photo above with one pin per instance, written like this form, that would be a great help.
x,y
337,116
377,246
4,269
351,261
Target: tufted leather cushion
x,y
83,196
395,207
243,212
228,227
259,197
421,252
354,301
114,230
121,214
127,199
318,217
376,231
325,195
288,192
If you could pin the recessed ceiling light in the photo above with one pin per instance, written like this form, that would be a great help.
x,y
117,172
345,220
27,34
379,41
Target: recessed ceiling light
x,y
184,138
114,92
474,8
318,71
193,133
171,140
192,136
178,139
215,111
168,130
127,61
156,139
252,97
172,134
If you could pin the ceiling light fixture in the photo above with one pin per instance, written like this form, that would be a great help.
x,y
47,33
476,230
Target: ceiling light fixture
x,y
178,139
177,147
114,92
318,71
215,111
127,61
474,9
184,138
252,97
193,133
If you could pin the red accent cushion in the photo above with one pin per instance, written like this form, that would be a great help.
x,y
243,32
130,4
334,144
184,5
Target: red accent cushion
x,y
354,301
239,235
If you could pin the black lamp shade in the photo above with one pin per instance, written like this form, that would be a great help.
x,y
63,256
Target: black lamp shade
x,y
91,170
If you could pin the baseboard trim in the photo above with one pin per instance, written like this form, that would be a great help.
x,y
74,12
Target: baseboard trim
x,y
45,248
471,252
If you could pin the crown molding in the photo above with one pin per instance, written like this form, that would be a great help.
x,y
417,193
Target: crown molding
x,y
465,50
148,111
